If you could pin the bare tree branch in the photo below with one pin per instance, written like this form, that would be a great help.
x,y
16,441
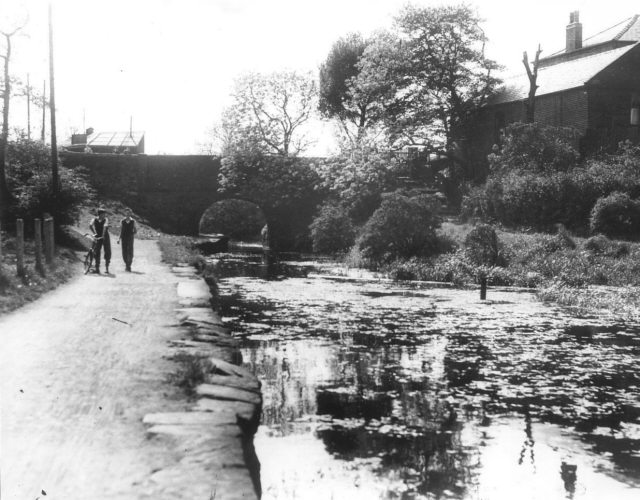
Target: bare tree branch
x,y
532,74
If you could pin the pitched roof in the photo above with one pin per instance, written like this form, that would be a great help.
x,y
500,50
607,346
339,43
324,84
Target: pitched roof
x,y
562,76
116,139
631,32
627,30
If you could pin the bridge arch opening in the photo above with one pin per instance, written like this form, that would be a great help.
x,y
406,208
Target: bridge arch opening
x,y
240,220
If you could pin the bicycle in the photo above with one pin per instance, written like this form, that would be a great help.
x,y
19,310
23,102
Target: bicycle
x,y
90,257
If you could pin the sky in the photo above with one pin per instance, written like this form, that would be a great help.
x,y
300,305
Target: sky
x,y
169,65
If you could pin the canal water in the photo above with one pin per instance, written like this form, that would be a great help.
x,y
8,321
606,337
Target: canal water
x,y
381,390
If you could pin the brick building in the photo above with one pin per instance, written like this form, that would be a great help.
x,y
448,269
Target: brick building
x,y
591,85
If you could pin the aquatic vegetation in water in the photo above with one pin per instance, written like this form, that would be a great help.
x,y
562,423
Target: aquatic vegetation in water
x,y
413,387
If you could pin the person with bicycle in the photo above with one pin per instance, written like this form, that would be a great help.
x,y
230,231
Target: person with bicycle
x,y
100,228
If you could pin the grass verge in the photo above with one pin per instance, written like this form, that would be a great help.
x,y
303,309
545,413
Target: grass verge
x,y
180,250
620,302
192,371
16,291
591,274
531,260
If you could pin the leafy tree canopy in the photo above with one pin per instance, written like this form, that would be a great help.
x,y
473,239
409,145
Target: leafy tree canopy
x,y
533,147
286,189
428,75
357,83
268,114
359,176
336,73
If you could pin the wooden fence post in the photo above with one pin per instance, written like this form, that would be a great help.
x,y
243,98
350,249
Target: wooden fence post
x,y
483,288
20,247
48,240
38,240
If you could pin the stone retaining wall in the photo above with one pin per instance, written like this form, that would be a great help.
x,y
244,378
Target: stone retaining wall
x,y
216,431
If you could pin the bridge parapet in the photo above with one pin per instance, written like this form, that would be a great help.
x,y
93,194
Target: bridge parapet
x,y
170,191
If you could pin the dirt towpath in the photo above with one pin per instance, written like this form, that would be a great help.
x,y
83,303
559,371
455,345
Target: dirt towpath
x,y
76,384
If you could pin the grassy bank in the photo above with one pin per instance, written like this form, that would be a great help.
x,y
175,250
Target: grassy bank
x,y
588,273
530,260
622,302
16,291
179,250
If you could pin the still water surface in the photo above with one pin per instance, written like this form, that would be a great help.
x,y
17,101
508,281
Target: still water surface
x,y
380,390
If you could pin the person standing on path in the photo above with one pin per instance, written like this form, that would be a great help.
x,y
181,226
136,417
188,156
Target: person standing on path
x,y
127,232
100,228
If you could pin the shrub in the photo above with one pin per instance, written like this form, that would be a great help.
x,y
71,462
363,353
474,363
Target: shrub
x,y
536,148
238,219
481,245
541,201
29,182
535,180
332,230
616,216
286,188
449,268
597,244
401,227
601,245
193,371
484,202
35,197
359,176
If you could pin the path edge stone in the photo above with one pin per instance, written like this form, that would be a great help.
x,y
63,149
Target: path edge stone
x,y
233,387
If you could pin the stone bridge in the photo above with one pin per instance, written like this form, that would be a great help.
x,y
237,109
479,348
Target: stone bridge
x,y
170,191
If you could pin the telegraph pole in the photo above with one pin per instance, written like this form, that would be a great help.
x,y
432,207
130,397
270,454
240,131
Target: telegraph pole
x,y
44,110
52,100
28,108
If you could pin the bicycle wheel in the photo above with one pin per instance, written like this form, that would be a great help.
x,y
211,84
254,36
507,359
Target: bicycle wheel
x,y
88,260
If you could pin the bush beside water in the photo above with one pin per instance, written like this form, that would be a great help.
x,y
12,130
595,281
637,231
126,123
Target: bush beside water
x,y
532,260
402,226
616,216
332,230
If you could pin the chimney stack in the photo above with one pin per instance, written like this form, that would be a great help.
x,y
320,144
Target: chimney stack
x,y
574,32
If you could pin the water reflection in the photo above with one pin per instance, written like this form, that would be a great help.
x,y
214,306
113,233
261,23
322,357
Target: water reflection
x,y
416,392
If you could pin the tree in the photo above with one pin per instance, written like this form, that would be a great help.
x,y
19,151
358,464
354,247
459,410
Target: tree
x,y
440,75
232,135
6,100
336,97
268,113
357,83
380,81
532,74
285,188
29,181
358,177
336,73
